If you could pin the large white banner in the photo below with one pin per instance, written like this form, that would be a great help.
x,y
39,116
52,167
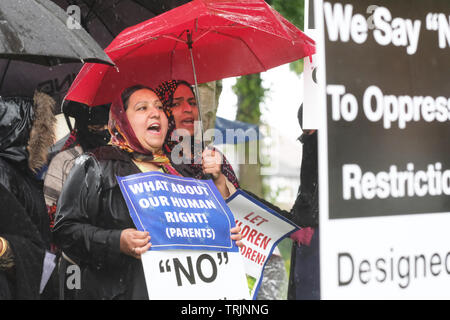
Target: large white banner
x,y
384,165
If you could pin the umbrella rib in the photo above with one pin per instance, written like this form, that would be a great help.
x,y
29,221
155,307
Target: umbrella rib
x,y
73,37
172,38
4,74
91,9
143,42
205,32
172,53
276,18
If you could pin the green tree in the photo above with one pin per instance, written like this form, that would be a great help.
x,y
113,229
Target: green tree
x,y
250,94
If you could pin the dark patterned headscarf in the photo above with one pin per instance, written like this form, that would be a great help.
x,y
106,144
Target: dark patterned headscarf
x,y
123,136
165,92
194,169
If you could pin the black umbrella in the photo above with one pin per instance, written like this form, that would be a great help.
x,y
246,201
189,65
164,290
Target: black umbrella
x,y
103,20
35,35
38,32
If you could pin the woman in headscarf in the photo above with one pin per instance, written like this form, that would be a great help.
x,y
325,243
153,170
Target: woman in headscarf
x,y
93,226
26,134
179,98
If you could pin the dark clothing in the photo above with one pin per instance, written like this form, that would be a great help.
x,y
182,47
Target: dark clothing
x,y
306,207
23,281
28,191
90,218
5,293
84,117
24,221
16,121
304,279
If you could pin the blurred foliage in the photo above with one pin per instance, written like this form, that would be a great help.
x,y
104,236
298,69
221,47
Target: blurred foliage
x,y
285,247
250,94
292,10
296,66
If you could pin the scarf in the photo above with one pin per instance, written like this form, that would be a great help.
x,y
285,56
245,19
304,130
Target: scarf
x,y
123,137
194,168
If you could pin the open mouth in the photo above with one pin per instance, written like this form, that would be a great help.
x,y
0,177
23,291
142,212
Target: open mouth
x,y
154,128
188,121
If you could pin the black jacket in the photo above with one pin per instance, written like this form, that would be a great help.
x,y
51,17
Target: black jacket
x,y
90,217
23,281
306,206
23,210
28,190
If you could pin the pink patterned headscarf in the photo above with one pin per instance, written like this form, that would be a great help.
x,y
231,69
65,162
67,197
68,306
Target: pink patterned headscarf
x,y
123,136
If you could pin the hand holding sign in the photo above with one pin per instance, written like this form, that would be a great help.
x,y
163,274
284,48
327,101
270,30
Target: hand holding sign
x,y
237,236
212,164
134,242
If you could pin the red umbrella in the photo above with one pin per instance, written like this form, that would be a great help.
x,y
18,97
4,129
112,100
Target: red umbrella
x,y
203,40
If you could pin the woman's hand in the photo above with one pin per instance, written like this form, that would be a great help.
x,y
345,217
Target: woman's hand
x,y
212,164
237,236
134,243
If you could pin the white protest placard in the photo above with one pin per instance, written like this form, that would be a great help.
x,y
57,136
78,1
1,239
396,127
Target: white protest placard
x,y
262,229
195,275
